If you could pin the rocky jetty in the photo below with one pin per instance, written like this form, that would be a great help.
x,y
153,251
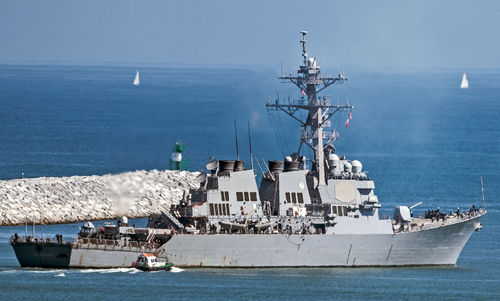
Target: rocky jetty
x,y
80,198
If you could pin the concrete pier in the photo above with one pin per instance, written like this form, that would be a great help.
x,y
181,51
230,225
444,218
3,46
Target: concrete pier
x,y
80,198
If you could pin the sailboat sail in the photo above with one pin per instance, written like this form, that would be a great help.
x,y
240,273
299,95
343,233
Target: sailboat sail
x,y
136,80
465,82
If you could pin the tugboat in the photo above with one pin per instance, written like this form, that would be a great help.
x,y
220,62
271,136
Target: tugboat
x,y
148,262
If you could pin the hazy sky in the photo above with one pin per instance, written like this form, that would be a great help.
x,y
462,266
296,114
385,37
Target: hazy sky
x,y
353,33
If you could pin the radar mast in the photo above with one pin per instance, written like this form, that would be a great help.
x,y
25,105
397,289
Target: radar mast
x,y
319,109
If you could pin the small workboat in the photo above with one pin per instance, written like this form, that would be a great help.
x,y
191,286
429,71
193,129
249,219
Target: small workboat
x,y
149,262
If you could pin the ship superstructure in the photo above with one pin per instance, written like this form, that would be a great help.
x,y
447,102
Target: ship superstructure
x,y
324,216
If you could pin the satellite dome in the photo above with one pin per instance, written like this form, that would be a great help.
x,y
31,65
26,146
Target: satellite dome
x,y
356,166
347,167
333,157
288,159
124,220
333,160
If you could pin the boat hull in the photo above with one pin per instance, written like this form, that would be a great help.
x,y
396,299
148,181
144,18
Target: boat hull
x,y
437,246
166,267
42,254
74,255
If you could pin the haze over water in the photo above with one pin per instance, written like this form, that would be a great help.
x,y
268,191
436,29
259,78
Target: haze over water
x,y
420,137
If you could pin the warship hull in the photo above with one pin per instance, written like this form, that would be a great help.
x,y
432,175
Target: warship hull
x,y
40,254
438,246
71,255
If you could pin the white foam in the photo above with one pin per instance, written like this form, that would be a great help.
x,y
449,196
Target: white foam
x,y
9,271
60,275
176,270
41,271
135,271
107,271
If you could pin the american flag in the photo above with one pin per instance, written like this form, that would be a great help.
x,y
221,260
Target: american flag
x,y
348,119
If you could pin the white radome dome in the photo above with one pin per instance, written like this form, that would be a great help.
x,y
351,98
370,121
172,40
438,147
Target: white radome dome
x,y
356,166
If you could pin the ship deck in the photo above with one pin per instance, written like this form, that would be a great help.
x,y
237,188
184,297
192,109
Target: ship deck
x,y
421,223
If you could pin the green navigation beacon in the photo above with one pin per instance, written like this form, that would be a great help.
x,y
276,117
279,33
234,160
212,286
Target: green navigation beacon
x,y
176,161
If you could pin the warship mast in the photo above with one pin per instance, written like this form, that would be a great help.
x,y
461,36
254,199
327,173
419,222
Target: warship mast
x,y
319,109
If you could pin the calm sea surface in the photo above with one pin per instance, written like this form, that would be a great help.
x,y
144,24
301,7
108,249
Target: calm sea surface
x,y
419,136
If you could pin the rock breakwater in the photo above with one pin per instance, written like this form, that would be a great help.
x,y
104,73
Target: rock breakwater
x,y
80,198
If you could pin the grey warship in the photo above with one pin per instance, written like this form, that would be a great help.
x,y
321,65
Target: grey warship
x,y
325,216
306,212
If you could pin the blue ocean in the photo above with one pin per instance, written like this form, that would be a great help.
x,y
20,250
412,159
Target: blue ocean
x,y
421,138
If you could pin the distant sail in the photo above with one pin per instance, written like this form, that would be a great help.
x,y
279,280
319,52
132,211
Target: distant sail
x,y
465,82
136,80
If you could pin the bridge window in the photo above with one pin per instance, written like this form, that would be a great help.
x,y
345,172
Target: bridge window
x,y
294,198
334,209
341,210
287,197
253,196
223,209
364,191
247,197
300,198
216,209
239,196
224,196
212,212
227,209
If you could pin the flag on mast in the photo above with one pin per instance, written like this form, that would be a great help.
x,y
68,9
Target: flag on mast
x,y
348,119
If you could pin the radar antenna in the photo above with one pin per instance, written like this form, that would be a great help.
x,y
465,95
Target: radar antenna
x,y
319,109
250,145
303,42
236,141
482,193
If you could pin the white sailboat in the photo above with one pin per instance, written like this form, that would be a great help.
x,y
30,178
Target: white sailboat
x,y
465,82
136,80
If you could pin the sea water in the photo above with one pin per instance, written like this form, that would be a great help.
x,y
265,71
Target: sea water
x,y
420,137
